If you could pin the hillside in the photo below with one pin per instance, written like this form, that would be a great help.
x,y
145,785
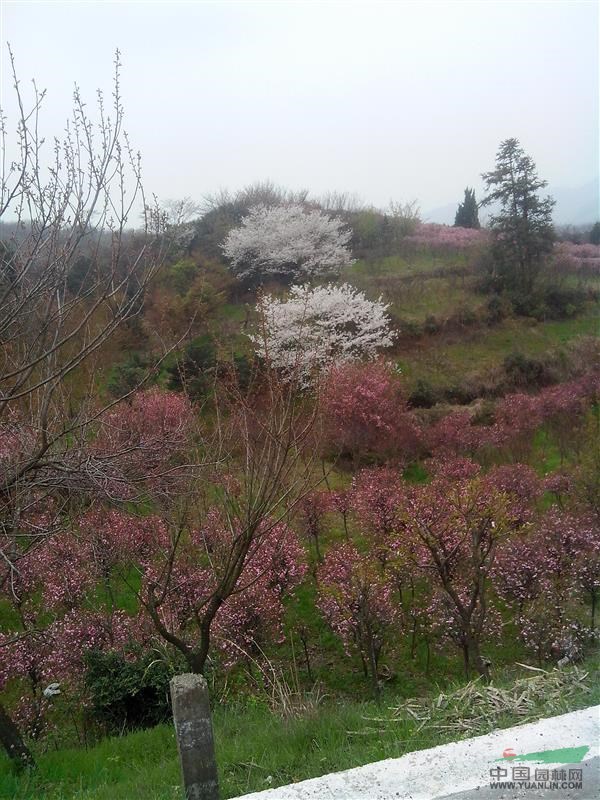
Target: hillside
x,y
482,395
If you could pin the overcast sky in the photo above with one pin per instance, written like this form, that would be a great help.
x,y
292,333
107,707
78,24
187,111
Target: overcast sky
x,y
394,100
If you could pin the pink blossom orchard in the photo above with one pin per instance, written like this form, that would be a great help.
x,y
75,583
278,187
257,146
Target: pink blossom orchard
x,y
448,562
582,259
70,570
454,524
516,417
63,597
444,238
434,547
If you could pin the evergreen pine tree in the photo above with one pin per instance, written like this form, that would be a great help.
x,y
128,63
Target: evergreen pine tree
x,y
467,215
522,226
595,233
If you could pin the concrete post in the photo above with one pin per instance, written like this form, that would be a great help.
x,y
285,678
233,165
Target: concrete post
x,y
193,729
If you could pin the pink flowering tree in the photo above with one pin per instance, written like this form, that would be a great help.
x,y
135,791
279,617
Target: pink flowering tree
x,y
544,574
560,484
145,443
587,563
340,502
456,434
357,601
454,525
366,414
376,495
177,594
564,407
311,510
521,484
517,417
64,606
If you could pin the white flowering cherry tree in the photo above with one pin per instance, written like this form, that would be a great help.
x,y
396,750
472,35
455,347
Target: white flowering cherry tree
x,y
287,242
317,327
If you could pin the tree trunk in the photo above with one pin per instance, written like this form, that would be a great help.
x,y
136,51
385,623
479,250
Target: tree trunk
x,y
413,639
345,518
474,658
466,660
13,743
364,664
373,668
304,641
196,662
318,549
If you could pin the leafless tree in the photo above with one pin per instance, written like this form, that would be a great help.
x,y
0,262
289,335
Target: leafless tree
x,y
71,274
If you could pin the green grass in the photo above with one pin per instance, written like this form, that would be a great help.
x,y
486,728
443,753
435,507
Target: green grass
x,y
255,749
417,288
403,266
443,361
425,285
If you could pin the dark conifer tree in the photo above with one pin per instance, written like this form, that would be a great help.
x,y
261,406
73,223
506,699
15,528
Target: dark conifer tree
x,y
467,215
521,224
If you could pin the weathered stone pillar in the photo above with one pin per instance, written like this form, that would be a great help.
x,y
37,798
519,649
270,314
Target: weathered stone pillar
x,y
193,729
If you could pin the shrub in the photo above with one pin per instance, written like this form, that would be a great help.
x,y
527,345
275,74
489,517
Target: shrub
x,y
522,371
128,376
410,329
552,302
466,316
498,308
424,395
127,694
194,370
432,325
462,393
563,302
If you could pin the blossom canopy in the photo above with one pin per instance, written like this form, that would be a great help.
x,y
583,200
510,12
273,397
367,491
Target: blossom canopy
x,y
288,242
317,327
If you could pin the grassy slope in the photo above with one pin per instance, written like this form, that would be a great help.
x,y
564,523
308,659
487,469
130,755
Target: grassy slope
x,y
444,362
252,743
255,750
427,285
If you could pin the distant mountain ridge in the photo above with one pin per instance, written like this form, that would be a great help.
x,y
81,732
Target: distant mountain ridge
x,y
579,205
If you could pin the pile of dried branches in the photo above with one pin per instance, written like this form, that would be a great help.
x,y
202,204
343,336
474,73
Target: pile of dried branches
x,y
477,708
